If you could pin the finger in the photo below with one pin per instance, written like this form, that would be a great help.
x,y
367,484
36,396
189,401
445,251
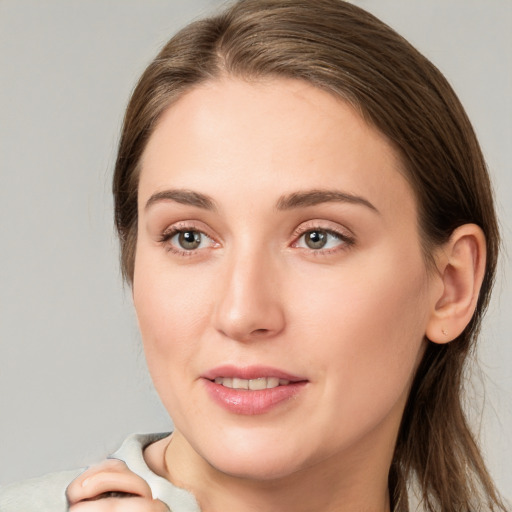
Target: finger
x,y
106,466
111,475
120,505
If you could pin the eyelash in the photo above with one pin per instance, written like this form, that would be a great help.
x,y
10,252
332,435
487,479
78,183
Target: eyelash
x,y
345,241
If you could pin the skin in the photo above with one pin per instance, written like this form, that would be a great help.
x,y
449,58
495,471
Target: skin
x,y
90,491
350,319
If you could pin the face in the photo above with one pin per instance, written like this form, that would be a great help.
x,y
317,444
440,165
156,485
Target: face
x,y
279,282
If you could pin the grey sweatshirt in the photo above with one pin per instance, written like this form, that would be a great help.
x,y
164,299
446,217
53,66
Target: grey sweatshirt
x,y
48,493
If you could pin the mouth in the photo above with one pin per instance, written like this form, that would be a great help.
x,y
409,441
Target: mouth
x,y
251,377
251,384
252,390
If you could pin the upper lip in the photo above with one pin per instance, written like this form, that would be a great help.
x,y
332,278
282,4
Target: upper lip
x,y
249,372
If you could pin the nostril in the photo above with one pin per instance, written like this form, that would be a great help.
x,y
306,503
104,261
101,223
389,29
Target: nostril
x,y
260,331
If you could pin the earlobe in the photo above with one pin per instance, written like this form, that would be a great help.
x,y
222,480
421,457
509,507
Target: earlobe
x,y
461,267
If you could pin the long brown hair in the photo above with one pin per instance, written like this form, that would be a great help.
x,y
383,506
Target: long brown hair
x,y
341,48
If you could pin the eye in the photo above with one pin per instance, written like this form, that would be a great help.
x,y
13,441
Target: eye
x,y
186,240
321,239
316,239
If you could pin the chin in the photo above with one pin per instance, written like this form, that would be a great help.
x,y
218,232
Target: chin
x,y
265,468
256,459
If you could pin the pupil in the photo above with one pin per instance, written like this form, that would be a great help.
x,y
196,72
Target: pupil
x,y
316,239
190,239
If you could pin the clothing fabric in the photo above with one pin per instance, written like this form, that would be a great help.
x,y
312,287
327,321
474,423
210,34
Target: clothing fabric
x,y
48,493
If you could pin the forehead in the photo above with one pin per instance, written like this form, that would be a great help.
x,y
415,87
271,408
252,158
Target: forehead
x,y
234,135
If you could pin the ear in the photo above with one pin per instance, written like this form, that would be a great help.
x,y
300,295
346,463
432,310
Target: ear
x,y
460,266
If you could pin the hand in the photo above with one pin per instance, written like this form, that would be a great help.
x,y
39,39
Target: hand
x,y
110,487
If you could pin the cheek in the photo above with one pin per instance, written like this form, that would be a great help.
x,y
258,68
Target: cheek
x,y
169,321
365,336
172,308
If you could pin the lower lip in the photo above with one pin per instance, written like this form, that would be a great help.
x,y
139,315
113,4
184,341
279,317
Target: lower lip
x,y
242,401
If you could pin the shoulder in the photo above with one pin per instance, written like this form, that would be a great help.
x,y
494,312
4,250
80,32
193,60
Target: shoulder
x,y
42,494
48,493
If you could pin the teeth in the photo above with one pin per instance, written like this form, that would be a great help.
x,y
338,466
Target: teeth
x,y
240,384
272,382
252,384
256,384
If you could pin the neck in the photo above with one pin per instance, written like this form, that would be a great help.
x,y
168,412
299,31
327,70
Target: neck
x,y
344,482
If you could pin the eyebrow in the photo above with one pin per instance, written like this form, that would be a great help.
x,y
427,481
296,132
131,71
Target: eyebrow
x,y
315,197
187,197
287,202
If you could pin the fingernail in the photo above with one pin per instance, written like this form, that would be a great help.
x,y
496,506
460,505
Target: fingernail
x,y
85,482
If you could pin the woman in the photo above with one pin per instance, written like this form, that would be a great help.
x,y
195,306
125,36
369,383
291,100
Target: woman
x,y
308,228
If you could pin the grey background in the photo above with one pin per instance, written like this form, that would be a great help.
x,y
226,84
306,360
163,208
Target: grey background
x,y
73,381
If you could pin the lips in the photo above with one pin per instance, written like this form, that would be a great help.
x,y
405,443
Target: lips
x,y
251,390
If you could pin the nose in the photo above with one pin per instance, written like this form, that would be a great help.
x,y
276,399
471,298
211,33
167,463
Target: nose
x,y
248,305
